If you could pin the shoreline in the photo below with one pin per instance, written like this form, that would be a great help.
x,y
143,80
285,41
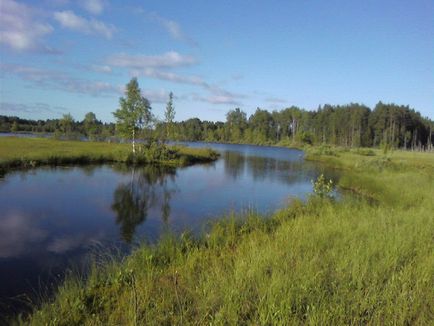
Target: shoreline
x,y
23,153
305,251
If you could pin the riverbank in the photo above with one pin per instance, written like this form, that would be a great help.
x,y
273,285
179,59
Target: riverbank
x,y
319,262
19,153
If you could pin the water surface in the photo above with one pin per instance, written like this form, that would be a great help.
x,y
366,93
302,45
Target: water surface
x,y
52,218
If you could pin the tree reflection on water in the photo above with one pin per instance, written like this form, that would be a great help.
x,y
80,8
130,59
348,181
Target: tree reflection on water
x,y
148,187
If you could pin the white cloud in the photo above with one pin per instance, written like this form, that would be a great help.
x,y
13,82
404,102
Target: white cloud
x,y
50,79
166,60
182,79
68,19
20,30
20,108
94,7
18,234
158,67
169,76
28,73
156,96
101,68
275,100
217,99
173,28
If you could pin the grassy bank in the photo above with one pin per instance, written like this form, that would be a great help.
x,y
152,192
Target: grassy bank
x,y
30,152
320,262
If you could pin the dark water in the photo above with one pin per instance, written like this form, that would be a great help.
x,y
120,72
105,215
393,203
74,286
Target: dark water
x,y
52,218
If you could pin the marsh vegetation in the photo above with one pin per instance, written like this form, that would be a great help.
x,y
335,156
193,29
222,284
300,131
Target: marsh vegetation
x,y
320,261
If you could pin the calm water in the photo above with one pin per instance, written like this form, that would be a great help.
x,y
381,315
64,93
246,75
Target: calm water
x,y
52,218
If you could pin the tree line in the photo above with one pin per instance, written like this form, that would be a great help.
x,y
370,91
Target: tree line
x,y
65,127
351,125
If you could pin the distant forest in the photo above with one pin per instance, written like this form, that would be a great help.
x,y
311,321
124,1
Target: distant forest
x,y
351,125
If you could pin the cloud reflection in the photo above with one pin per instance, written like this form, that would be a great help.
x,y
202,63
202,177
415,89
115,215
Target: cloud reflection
x,y
18,233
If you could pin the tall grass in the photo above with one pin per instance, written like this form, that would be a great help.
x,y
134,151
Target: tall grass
x,y
320,263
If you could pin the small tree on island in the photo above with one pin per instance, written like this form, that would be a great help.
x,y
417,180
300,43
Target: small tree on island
x,y
67,124
90,125
169,116
14,127
134,112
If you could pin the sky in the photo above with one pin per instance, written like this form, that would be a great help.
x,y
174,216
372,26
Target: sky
x,y
65,56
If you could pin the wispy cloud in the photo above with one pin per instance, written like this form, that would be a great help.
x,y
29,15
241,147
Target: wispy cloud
x,y
20,108
101,69
172,27
275,100
160,67
94,7
217,99
217,95
156,96
166,60
51,79
19,233
20,30
68,19
169,76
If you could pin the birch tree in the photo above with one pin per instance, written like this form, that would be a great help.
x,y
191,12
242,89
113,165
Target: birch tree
x,y
169,115
134,113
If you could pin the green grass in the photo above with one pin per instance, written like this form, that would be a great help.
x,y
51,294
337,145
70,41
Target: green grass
x,y
31,152
317,263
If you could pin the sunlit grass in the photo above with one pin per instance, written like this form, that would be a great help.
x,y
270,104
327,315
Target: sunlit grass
x,y
30,152
320,262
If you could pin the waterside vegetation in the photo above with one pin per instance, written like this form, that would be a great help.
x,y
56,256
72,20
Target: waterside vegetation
x,y
322,262
17,153
352,125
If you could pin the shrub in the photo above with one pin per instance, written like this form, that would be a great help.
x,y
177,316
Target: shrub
x,y
322,187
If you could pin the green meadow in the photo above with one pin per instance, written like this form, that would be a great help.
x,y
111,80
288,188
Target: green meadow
x,y
367,258
31,152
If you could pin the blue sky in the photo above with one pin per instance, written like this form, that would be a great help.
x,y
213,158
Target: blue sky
x,y
64,56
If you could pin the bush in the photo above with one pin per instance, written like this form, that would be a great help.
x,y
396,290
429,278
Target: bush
x,y
322,187
304,137
325,150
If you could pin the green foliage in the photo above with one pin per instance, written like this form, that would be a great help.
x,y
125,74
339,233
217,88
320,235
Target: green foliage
x,y
90,124
304,137
134,112
324,149
386,148
349,126
236,124
14,127
99,130
169,116
66,130
365,152
323,188
31,152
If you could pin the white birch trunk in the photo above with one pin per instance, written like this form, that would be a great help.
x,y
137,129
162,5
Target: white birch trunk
x,y
134,141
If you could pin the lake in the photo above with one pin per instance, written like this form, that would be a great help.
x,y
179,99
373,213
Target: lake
x,y
51,219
